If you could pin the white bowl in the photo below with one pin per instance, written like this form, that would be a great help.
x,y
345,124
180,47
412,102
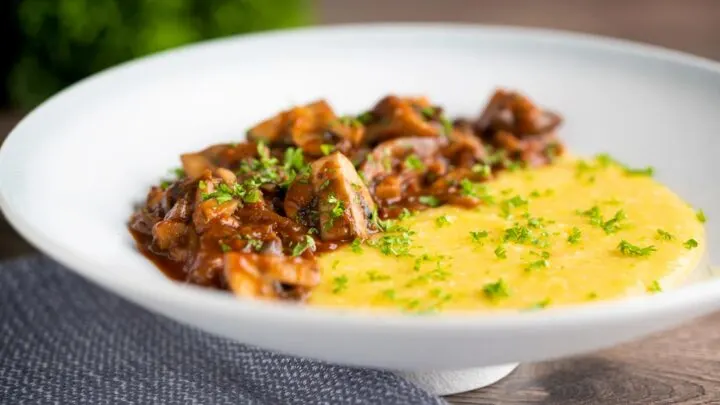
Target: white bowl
x,y
72,170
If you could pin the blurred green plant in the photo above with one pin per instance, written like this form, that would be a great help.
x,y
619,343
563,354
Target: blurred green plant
x,y
67,40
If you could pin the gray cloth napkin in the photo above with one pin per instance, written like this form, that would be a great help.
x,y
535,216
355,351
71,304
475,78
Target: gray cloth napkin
x,y
65,341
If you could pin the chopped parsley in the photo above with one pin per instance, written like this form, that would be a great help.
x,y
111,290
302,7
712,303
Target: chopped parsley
x,y
307,243
389,294
428,112
592,295
447,126
413,162
394,244
442,221
350,121
540,304
575,236
506,206
496,290
664,235
517,234
484,170
500,252
654,287
374,275
164,185
224,246
475,190
337,210
179,172
405,213
538,264
326,149
356,246
478,236
700,215
255,244
690,244
365,118
628,249
610,226
429,200
340,284
645,171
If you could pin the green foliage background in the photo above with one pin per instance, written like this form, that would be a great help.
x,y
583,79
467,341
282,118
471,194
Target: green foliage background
x,y
64,41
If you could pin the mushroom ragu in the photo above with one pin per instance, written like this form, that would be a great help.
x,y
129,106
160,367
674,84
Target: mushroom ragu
x,y
250,217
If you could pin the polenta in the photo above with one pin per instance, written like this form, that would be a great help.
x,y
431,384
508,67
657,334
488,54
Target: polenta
x,y
568,233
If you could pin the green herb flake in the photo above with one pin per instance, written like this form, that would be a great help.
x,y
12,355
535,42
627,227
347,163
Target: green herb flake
x,y
374,275
654,287
664,235
478,236
700,215
645,171
179,172
252,196
307,243
326,149
404,214
483,170
690,244
500,252
356,246
538,264
540,305
496,290
442,221
575,236
628,249
224,246
430,201
164,185
389,294
413,162
340,284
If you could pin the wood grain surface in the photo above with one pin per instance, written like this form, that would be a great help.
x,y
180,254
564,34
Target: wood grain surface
x,y
681,366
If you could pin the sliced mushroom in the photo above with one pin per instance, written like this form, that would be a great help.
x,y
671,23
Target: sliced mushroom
x,y
300,202
515,113
344,203
270,276
464,149
389,157
400,117
168,233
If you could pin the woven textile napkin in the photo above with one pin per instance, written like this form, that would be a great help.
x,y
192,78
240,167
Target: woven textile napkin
x,y
63,340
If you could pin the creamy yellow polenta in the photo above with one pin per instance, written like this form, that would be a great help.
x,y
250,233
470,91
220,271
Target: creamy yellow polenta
x,y
568,233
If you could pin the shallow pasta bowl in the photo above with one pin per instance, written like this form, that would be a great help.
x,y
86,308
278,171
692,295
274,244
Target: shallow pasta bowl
x,y
72,170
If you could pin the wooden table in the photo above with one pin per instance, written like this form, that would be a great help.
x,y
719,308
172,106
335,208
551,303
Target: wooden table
x,y
681,366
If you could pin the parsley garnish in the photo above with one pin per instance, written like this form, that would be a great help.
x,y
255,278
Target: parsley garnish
x,y
413,162
396,244
224,247
307,243
356,246
429,200
646,171
442,220
517,234
405,213
374,275
690,244
478,236
326,149
164,185
700,215
540,304
476,190
255,244
389,294
663,235
575,236
340,284
654,287
179,172
496,290
500,252
484,170
506,206
628,249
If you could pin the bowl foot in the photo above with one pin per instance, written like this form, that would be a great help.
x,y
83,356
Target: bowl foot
x,y
447,382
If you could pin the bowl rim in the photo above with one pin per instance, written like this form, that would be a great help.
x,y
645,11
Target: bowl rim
x,y
170,293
